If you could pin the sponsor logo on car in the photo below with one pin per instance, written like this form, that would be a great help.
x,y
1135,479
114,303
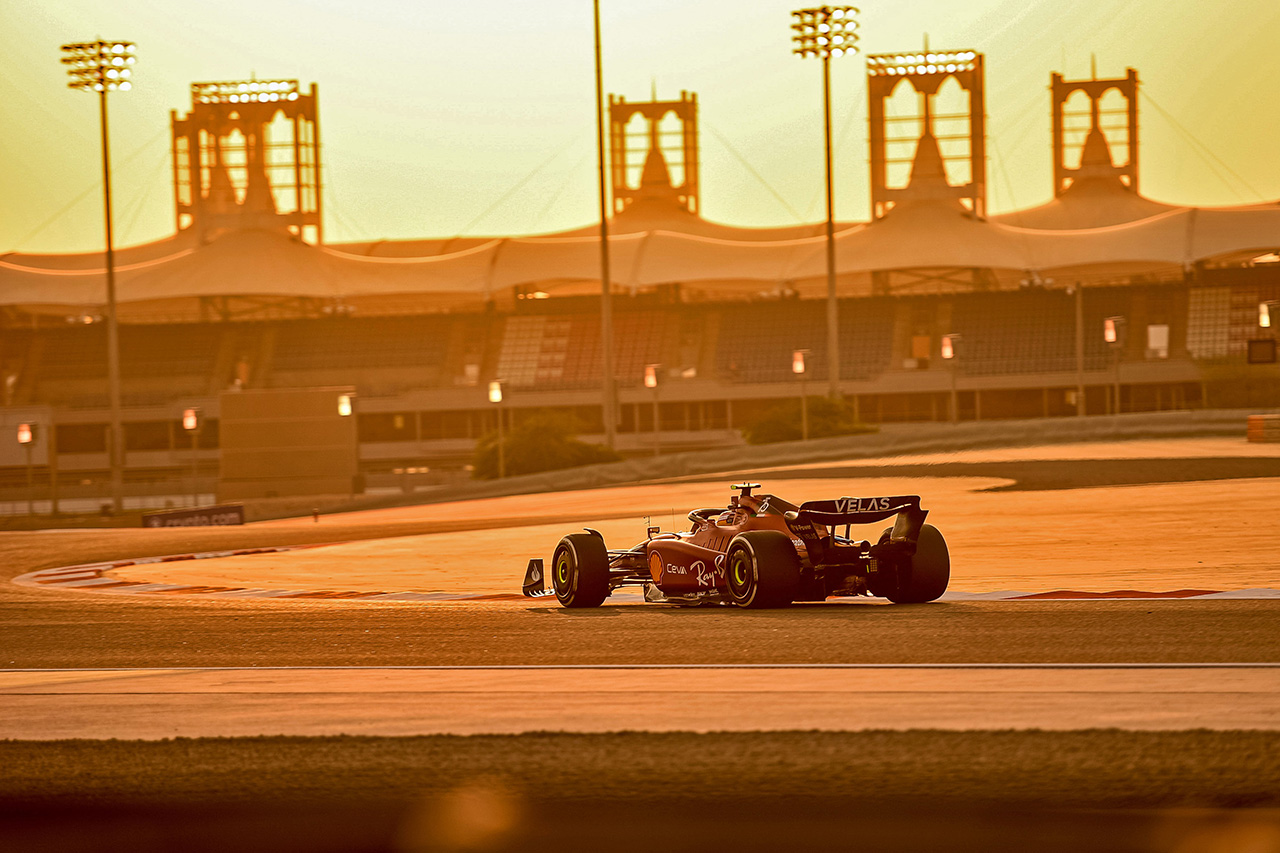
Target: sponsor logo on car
x,y
655,566
862,504
803,528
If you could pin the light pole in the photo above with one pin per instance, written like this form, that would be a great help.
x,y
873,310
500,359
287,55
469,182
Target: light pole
x,y
102,67
824,32
27,438
651,381
1265,312
495,397
949,353
1080,402
609,387
1113,334
346,408
798,368
191,422
1262,350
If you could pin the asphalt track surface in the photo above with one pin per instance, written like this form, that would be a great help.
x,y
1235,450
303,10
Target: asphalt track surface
x,y
82,630
162,703
45,629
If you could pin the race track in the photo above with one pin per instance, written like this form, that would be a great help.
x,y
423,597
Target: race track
x,y
161,703
196,660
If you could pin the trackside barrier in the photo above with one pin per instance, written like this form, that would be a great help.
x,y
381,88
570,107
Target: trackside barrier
x,y
208,516
891,440
1264,428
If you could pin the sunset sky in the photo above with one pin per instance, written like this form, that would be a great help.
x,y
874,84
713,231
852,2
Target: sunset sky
x,y
431,112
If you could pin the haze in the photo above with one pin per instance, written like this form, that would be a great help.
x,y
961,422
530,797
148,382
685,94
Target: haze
x,y
445,118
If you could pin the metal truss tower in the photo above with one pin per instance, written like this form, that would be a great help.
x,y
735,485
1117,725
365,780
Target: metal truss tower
x,y
248,156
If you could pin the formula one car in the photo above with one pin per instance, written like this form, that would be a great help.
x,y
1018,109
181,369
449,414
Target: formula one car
x,y
759,552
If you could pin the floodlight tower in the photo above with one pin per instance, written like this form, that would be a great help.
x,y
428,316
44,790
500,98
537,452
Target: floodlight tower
x,y
1095,160
655,154
248,156
102,67
609,384
824,32
925,72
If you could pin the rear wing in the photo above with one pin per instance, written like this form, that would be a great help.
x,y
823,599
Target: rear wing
x,y
845,511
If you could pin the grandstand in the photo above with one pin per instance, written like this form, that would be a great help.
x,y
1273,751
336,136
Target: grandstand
x,y
419,328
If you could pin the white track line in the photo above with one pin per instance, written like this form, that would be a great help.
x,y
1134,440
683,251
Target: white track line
x,y
663,666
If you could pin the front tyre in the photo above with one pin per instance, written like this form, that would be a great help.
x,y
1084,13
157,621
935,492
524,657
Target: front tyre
x,y
580,570
762,569
925,576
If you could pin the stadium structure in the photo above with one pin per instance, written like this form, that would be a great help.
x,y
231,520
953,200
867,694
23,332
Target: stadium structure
x,y
1100,301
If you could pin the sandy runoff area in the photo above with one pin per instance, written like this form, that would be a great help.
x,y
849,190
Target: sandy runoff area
x,y
1211,535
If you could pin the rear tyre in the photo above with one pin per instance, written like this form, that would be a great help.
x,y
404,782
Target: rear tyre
x,y
926,575
762,569
580,570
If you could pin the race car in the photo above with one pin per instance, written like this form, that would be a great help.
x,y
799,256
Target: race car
x,y
760,551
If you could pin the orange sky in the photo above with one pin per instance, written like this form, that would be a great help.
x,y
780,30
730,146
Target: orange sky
x,y
432,111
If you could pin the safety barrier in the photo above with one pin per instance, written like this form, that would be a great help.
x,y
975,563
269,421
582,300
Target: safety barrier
x,y
1264,428
208,516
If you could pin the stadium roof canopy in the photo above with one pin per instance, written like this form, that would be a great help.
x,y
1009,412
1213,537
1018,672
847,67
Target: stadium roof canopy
x,y
1097,227
1096,197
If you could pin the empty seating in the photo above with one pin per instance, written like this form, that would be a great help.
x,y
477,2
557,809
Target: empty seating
x,y
188,350
556,345
76,352
1209,322
361,342
563,351
1015,332
80,352
757,339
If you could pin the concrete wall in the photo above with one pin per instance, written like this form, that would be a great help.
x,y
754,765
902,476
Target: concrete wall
x,y
287,442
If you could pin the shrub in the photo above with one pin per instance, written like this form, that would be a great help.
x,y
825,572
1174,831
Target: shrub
x,y
782,423
540,442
